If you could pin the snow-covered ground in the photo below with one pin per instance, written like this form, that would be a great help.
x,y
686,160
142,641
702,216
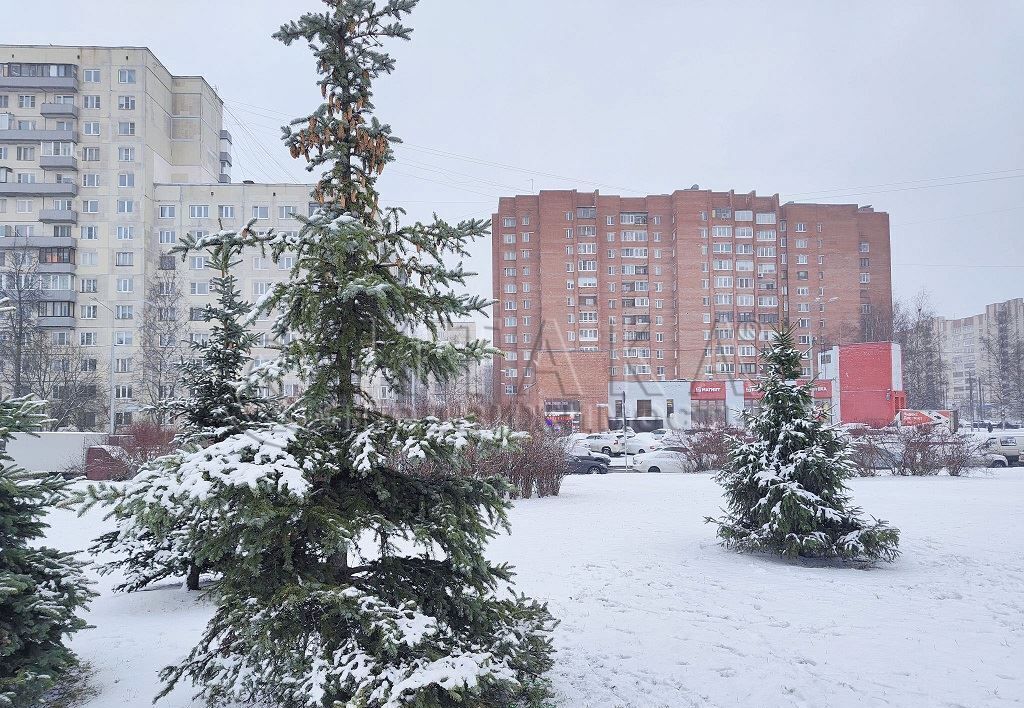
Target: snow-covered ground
x,y
655,613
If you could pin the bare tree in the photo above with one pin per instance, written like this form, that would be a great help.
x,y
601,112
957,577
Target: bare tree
x,y
68,378
164,336
1004,361
20,285
924,369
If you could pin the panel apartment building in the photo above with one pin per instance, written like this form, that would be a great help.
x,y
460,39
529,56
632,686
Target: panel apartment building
x,y
601,293
978,354
106,159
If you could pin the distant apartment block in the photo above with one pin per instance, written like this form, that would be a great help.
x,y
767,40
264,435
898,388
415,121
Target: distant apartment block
x,y
106,160
972,349
597,289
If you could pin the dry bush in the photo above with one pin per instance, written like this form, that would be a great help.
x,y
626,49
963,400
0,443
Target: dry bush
x,y
705,449
138,444
535,466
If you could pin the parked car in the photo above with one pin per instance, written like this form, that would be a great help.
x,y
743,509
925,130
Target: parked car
x,y
583,461
984,458
639,444
660,433
1009,446
667,459
606,443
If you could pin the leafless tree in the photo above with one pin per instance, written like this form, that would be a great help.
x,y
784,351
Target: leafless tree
x,y
924,369
1003,353
164,336
20,285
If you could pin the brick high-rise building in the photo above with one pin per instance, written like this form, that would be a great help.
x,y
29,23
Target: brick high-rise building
x,y
596,290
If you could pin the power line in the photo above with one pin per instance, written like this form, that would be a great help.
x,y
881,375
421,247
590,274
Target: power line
x,y
911,181
260,145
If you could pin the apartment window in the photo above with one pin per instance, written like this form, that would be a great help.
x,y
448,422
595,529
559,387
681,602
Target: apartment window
x,y
260,263
865,247
865,278
124,258
801,228
199,211
91,76
124,338
286,212
24,206
91,206
125,285
865,262
87,285
91,127
87,312
126,76
25,153
765,218
124,312
87,339
122,391
261,212
126,103
125,206
126,179
167,262
509,221
125,233
197,262
90,154
200,287
126,154
123,365
27,101
91,101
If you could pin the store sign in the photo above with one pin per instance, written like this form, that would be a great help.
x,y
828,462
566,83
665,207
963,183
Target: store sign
x,y
751,392
707,390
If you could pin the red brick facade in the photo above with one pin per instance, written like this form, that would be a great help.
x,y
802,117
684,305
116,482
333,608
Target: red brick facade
x,y
593,288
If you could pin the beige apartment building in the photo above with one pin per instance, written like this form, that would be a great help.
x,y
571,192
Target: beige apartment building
x,y
106,160
972,349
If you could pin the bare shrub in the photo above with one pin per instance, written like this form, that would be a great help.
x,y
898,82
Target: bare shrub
x,y
705,449
958,452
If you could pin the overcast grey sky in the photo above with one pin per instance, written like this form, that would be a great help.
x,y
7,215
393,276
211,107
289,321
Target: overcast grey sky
x,y
915,107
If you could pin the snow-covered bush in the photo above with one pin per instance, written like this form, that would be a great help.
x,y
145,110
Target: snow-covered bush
x,y
706,449
785,488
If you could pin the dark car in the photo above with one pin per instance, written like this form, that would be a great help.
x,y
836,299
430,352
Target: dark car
x,y
584,462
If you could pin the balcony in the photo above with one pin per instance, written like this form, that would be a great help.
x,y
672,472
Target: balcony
x,y
42,83
225,157
55,267
224,179
55,322
37,136
58,162
58,216
11,237
59,110
225,135
42,189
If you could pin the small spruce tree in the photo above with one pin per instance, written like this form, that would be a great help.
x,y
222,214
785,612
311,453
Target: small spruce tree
x,y
41,589
360,577
159,532
785,489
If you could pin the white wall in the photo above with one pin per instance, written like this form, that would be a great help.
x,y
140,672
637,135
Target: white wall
x,y
52,452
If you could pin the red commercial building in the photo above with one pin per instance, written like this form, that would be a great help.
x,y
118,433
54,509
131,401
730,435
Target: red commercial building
x,y
596,291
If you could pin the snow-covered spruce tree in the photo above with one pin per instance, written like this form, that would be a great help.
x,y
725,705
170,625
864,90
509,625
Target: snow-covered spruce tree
x,y
785,490
360,578
160,533
41,589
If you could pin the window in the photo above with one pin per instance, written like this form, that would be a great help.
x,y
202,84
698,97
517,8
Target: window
x,y
125,233
125,206
25,153
125,285
261,287
124,258
126,179
91,76
122,390
87,339
801,228
126,76
124,312
90,154
24,206
865,262
91,127
27,101
286,212
167,262
91,206
226,211
765,218
865,247
87,285
200,287
197,262
261,212
199,211
91,101
126,103
509,221
865,278
126,127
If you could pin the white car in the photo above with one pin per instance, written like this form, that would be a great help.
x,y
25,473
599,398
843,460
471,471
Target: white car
x,y
668,459
639,444
606,443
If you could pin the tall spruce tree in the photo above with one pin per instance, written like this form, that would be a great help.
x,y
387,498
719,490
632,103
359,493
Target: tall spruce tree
x,y
41,589
785,489
360,578
159,532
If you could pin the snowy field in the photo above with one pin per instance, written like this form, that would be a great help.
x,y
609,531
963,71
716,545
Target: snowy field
x,y
656,614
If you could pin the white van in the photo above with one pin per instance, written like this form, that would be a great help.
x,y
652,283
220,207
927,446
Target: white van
x,y
1003,443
